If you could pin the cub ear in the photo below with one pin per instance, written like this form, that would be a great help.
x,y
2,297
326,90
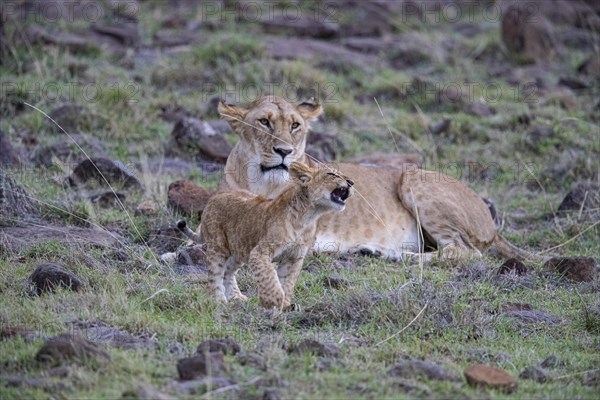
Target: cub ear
x,y
310,109
232,114
301,172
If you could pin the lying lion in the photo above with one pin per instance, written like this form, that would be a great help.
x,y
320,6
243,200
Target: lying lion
x,y
243,228
383,219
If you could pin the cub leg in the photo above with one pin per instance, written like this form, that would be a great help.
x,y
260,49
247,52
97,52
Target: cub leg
x,y
216,270
288,276
264,271
232,291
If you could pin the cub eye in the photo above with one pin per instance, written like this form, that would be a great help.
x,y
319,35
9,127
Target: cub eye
x,y
295,125
264,122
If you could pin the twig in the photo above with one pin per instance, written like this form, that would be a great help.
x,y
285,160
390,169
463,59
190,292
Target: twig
x,y
570,240
406,327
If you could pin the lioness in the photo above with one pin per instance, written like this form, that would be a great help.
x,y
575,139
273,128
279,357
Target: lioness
x,y
243,228
383,219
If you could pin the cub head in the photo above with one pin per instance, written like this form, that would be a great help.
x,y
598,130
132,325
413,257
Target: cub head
x,y
272,133
326,187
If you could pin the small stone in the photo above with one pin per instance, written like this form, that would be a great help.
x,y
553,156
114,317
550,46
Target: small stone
x,y
576,269
508,307
252,359
535,317
11,332
591,378
108,199
492,377
480,109
552,362
573,83
147,208
103,172
69,347
166,239
200,365
186,197
440,127
539,133
227,346
336,282
192,255
409,386
47,277
534,373
271,394
512,265
145,392
583,196
197,138
316,348
8,155
206,384
416,369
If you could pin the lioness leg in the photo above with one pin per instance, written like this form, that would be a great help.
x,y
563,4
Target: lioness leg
x,y
454,216
269,289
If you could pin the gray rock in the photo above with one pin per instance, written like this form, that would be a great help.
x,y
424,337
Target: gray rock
x,y
47,277
415,369
534,373
68,347
103,172
316,348
200,365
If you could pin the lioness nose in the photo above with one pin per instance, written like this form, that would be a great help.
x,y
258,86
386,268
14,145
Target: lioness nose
x,y
282,152
350,182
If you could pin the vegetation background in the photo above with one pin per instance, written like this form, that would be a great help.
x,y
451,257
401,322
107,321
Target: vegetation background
x,y
500,94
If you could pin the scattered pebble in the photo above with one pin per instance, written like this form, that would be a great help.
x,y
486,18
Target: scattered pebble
x,y
421,368
200,365
512,265
226,346
47,277
534,373
576,269
492,377
316,348
69,347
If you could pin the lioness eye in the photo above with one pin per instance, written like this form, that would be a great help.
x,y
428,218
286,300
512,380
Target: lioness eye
x,y
295,125
264,122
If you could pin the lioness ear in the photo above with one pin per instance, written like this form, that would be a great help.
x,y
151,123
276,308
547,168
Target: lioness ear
x,y
301,172
232,114
310,109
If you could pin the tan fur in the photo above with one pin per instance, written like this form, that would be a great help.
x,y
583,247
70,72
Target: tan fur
x,y
383,217
271,236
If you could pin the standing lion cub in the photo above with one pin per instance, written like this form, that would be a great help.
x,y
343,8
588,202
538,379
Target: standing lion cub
x,y
271,236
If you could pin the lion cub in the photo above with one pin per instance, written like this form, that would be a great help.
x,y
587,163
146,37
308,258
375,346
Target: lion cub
x,y
271,236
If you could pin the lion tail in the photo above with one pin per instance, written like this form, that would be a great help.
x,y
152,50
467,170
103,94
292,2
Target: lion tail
x,y
182,226
509,250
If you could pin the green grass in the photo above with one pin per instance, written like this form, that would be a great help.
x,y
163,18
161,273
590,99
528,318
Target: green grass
x,y
458,321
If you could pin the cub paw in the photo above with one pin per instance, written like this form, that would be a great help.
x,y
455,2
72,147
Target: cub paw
x,y
239,297
273,299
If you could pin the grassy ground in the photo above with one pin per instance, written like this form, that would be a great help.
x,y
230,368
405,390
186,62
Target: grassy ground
x,y
384,311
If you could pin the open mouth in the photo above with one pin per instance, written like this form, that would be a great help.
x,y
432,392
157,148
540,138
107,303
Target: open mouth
x,y
340,195
264,168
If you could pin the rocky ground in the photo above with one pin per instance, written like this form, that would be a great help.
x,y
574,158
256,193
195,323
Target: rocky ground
x,y
503,95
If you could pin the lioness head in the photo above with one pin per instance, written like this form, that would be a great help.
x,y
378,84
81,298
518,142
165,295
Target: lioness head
x,y
326,187
272,134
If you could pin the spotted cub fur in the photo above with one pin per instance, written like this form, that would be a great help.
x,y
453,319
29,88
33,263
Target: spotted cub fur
x,y
271,236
